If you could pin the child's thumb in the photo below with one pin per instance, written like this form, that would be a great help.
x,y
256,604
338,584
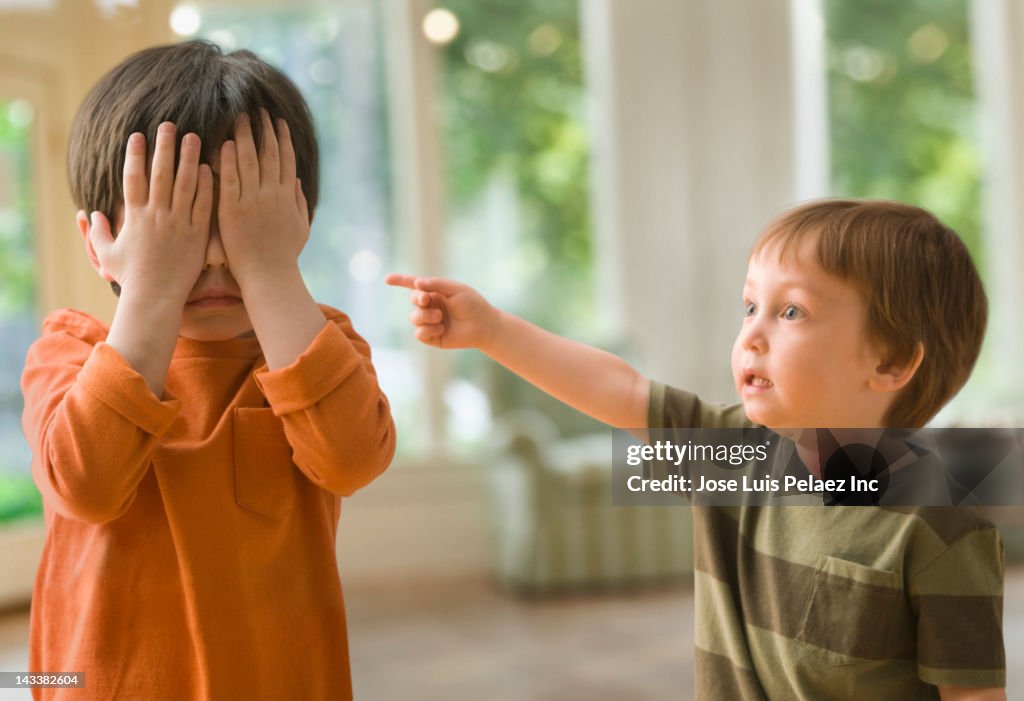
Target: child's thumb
x,y
100,235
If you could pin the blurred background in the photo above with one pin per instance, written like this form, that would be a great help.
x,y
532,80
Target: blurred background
x,y
600,167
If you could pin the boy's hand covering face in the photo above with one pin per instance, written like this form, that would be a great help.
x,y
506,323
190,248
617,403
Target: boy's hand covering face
x,y
161,247
262,215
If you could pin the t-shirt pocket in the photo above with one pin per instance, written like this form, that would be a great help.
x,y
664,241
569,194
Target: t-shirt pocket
x,y
264,472
848,611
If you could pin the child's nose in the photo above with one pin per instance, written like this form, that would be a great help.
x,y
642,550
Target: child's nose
x,y
752,336
215,250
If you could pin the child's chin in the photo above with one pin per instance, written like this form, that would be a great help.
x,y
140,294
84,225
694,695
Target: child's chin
x,y
214,332
767,418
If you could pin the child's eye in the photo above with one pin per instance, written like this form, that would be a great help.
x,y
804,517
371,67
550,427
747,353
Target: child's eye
x,y
792,312
749,308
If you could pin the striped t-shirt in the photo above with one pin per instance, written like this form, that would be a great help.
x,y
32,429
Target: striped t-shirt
x,y
855,602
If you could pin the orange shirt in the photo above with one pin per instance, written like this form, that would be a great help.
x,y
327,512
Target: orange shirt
x,y
190,540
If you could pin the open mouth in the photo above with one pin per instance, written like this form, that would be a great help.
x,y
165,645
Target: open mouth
x,y
756,381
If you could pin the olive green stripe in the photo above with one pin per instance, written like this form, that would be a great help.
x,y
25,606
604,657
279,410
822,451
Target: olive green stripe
x,y
960,632
719,630
866,535
719,679
950,523
968,567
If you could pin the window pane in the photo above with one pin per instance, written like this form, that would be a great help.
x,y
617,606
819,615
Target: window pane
x,y
18,496
516,155
902,107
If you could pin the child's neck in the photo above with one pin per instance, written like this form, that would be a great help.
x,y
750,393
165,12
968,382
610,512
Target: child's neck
x,y
814,447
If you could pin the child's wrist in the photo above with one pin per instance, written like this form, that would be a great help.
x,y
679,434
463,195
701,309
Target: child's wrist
x,y
154,295
491,329
254,278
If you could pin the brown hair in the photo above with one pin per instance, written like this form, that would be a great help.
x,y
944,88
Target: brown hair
x,y
201,90
919,282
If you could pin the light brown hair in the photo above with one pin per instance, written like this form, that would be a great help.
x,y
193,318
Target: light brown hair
x,y
919,283
201,90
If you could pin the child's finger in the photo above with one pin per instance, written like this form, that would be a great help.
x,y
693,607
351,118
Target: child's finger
x,y
423,317
162,177
439,284
399,280
300,202
102,239
188,172
270,169
248,161
230,188
420,299
202,209
287,150
136,189
430,333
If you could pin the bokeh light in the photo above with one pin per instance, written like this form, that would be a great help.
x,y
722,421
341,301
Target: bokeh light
x,y
185,20
440,26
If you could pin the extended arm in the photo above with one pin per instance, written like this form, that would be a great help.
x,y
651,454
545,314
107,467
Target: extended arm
x,y
452,315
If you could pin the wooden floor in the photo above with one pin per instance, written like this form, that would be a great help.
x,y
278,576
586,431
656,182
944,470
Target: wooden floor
x,y
466,639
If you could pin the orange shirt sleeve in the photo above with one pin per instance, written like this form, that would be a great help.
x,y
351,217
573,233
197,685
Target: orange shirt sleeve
x,y
91,422
336,418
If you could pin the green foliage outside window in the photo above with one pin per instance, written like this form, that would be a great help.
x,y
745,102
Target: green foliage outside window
x,y
19,498
17,277
513,102
902,107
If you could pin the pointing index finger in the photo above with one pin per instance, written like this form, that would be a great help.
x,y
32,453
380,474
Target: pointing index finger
x,y
399,280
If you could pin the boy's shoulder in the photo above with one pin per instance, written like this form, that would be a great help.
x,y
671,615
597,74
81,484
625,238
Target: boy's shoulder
x,y
670,407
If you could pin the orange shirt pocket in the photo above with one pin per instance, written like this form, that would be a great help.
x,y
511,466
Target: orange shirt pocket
x,y
265,476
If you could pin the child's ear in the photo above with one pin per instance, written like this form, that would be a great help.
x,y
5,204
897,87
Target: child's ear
x,y
82,219
892,377
84,227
